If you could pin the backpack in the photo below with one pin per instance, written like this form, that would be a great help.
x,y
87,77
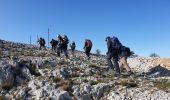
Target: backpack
x,y
66,40
89,43
43,41
117,45
127,50
52,42
73,45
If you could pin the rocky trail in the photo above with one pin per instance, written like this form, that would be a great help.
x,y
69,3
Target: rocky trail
x,y
27,73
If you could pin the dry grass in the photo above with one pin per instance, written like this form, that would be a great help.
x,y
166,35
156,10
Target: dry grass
x,y
91,82
128,83
92,65
3,97
162,84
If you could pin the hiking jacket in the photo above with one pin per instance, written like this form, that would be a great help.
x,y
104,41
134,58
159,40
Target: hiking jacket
x,y
111,45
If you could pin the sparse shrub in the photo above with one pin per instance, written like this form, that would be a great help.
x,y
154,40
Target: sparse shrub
x,y
85,80
154,55
46,62
98,52
3,97
28,53
66,87
75,74
162,84
56,79
6,87
132,54
92,65
128,84
19,98
91,82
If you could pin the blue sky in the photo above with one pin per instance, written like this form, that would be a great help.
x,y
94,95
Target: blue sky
x,y
143,25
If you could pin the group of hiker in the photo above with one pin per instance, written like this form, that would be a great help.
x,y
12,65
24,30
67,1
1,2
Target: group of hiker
x,y
60,45
116,53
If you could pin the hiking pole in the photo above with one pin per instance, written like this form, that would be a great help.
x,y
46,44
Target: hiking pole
x,y
48,37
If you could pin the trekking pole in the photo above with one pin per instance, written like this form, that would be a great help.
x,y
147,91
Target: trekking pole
x,y
48,37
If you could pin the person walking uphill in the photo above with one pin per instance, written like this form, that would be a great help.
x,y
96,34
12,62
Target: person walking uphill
x,y
59,45
87,47
62,45
73,46
41,42
112,54
65,45
54,44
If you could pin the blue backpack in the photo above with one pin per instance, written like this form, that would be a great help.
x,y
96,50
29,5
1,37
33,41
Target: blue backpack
x,y
117,45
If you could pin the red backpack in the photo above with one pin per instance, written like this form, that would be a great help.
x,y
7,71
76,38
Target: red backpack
x,y
89,43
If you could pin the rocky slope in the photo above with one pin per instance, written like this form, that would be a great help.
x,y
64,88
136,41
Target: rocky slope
x,y
29,74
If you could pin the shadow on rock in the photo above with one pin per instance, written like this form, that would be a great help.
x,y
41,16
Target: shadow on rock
x,y
158,71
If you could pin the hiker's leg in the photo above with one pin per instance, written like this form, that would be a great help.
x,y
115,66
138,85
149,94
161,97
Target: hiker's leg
x,y
40,47
125,64
87,52
115,62
65,52
120,64
109,62
52,48
58,51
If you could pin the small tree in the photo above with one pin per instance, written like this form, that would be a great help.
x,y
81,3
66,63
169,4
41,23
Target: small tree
x,y
98,52
154,55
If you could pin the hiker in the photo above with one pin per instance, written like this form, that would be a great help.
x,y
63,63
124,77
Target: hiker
x,y
87,47
73,46
59,45
41,42
54,44
65,45
123,55
112,54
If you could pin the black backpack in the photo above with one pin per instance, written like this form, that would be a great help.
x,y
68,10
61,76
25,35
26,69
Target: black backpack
x,y
117,44
43,41
127,50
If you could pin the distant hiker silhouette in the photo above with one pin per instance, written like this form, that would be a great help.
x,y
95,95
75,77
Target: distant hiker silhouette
x,y
73,46
41,42
54,44
87,47
62,45
65,45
